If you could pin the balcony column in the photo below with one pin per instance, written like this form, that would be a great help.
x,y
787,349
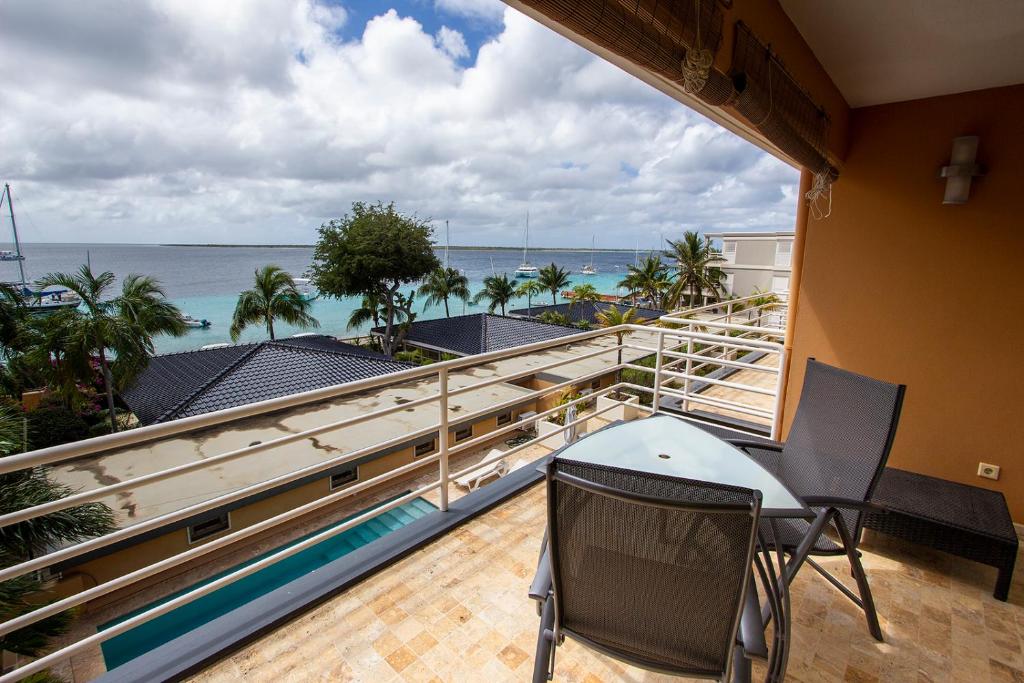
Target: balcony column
x,y
796,269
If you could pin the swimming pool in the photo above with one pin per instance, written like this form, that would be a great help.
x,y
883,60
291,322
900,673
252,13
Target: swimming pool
x,y
156,632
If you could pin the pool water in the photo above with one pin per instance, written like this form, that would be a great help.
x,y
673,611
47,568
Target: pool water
x,y
145,637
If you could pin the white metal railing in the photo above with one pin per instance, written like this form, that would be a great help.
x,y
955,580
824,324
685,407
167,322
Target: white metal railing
x,y
716,365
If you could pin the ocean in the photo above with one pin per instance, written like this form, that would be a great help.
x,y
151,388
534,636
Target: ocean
x,y
205,281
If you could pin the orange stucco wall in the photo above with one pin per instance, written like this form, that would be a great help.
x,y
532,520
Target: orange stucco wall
x,y
898,286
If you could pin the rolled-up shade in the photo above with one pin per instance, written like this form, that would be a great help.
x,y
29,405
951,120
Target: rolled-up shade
x,y
775,104
677,40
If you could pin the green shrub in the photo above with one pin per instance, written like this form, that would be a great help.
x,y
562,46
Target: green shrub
x,y
53,424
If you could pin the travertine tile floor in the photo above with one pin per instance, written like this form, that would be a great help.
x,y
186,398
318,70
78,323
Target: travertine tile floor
x,y
457,611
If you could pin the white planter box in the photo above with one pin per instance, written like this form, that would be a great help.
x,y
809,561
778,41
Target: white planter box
x,y
557,440
618,410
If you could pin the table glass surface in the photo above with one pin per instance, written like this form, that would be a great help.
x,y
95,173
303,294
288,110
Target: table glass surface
x,y
692,454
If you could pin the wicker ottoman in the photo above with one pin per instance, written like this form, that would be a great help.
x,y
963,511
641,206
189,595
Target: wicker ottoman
x,y
962,520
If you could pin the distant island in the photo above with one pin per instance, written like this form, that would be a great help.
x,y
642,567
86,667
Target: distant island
x,y
452,247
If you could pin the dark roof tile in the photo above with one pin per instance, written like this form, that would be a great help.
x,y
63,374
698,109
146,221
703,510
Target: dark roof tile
x,y
466,335
196,382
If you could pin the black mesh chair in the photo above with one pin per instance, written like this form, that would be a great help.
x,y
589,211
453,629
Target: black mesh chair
x,y
836,451
652,570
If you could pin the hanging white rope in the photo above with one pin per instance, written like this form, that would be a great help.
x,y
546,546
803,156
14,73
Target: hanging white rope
x,y
821,190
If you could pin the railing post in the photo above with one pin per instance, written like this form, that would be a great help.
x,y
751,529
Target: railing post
x,y
442,435
779,397
689,370
728,313
656,395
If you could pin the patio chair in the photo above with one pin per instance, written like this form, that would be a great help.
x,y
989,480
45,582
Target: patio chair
x,y
835,454
652,570
497,469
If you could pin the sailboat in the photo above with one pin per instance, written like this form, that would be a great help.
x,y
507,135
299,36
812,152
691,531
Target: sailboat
x,y
527,269
589,269
41,301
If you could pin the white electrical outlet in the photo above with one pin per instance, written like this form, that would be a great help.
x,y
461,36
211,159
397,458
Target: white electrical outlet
x,y
988,471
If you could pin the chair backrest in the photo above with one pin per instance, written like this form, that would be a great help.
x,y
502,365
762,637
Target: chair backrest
x,y
650,569
841,436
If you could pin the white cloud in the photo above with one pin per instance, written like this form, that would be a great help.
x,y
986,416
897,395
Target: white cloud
x,y
490,10
452,43
250,121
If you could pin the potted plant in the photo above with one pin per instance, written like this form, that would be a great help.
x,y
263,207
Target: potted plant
x,y
618,406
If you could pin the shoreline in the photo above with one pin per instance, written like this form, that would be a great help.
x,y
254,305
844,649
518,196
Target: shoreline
x,y
437,247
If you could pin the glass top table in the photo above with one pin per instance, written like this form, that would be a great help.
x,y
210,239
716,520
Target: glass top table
x,y
666,445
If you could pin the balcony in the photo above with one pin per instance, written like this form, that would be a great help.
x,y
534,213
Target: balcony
x,y
445,597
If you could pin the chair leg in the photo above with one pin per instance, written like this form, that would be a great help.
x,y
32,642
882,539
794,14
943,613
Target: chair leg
x,y
544,660
857,569
741,669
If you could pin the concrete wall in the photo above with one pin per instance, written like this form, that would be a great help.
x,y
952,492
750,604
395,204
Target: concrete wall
x,y
936,303
745,281
755,252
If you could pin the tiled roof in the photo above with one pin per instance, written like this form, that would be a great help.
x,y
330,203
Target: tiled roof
x,y
587,310
466,335
194,382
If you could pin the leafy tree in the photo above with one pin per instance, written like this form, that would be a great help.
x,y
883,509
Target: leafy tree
x,y
695,260
124,325
529,288
553,279
273,295
498,290
24,540
612,316
374,251
443,283
650,278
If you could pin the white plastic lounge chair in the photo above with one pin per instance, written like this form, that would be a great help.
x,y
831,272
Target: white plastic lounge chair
x,y
473,480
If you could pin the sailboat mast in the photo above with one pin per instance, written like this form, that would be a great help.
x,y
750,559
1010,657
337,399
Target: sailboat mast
x,y
447,239
591,252
14,229
526,238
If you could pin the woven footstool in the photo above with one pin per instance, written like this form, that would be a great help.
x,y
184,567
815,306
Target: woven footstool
x,y
962,520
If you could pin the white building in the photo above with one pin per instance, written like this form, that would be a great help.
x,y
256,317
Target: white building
x,y
755,260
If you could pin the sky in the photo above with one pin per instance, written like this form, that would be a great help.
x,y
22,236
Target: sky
x,y
255,121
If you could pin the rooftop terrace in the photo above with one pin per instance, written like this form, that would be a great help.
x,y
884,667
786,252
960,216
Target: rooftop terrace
x,y
457,610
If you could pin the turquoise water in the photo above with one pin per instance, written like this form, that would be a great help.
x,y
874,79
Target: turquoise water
x,y
205,281
141,639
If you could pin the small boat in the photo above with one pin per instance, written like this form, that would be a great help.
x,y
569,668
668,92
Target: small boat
x,y
195,323
527,269
589,269
306,290
8,255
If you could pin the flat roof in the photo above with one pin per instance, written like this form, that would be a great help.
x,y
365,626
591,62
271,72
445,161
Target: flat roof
x,y
151,500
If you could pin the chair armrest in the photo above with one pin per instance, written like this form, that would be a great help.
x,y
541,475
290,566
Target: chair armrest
x,y
751,632
762,445
842,503
541,585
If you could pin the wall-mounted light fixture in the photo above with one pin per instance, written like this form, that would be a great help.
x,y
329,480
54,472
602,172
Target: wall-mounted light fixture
x,y
962,167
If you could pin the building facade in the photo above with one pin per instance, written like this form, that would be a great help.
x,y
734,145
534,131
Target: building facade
x,y
755,261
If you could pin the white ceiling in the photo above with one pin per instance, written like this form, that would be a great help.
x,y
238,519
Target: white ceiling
x,y
879,51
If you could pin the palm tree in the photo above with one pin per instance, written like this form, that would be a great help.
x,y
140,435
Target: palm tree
x,y
584,293
443,283
613,317
553,279
529,289
650,278
124,325
273,296
371,309
25,540
695,259
499,290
